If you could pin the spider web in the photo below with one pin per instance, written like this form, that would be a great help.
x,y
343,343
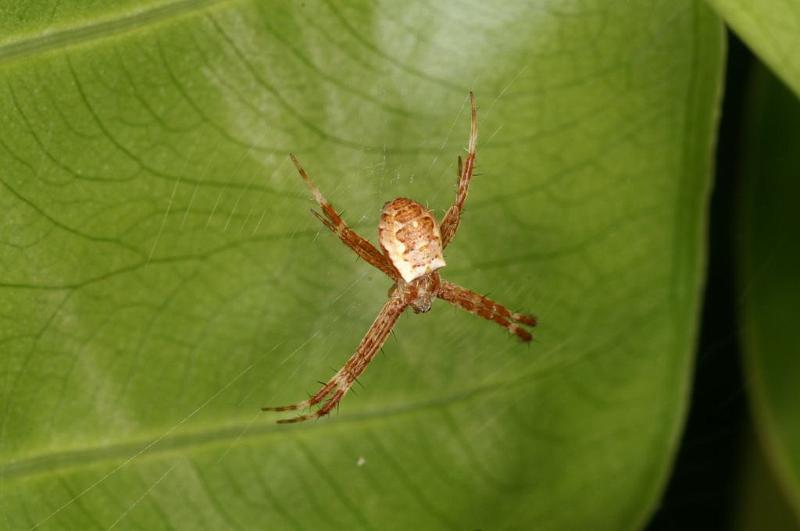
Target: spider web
x,y
440,169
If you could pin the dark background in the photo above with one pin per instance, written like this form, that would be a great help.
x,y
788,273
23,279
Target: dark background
x,y
703,490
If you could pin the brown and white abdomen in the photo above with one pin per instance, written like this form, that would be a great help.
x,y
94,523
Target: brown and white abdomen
x,y
410,237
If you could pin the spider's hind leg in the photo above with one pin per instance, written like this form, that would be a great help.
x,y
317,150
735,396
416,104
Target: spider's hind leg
x,y
452,217
362,247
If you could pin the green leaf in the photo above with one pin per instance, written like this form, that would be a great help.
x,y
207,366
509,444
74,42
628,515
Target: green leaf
x,y
770,261
162,278
771,28
761,502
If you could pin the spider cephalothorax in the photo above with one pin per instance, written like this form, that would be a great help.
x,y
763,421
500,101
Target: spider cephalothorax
x,y
412,242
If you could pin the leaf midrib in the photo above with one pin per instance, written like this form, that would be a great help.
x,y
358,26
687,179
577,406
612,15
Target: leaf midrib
x,y
44,41
56,461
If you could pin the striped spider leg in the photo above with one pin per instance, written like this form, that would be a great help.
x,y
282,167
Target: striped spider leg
x,y
453,216
331,219
412,242
335,388
490,310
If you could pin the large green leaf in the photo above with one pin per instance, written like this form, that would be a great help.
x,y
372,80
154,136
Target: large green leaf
x,y
772,29
770,261
162,277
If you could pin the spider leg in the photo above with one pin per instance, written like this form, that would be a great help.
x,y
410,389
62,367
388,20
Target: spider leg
x,y
335,389
488,309
361,246
452,218
315,399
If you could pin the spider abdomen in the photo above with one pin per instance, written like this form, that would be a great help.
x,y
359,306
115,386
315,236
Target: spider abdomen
x,y
410,237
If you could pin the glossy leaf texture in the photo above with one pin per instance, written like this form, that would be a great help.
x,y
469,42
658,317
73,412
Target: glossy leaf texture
x,y
162,277
770,260
771,28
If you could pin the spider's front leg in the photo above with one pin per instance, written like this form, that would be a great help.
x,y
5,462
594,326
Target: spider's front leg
x,y
361,246
488,309
335,388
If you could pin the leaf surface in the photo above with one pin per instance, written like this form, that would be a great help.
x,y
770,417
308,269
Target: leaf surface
x,y
162,278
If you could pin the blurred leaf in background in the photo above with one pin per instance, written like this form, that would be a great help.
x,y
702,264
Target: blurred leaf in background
x,y
769,257
772,30
769,224
761,502
162,279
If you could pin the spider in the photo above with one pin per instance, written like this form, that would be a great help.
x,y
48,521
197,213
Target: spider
x,y
412,242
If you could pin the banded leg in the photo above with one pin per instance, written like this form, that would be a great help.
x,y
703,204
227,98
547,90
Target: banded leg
x,y
488,309
361,246
452,218
335,389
